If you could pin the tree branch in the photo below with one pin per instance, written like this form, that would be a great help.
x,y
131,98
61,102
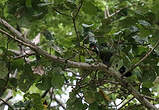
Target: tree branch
x,y
60,12
74,21
6,100
75,28
70,63
142,59
126,103
51,57
57,100
6,103
78,10
106,12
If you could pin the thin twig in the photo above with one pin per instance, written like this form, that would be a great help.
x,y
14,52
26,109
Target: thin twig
x,y
149,98
51,97
60,12
25,55
75,74
117,11
74,21
7,104
45,93
126,103
75,28
60,103
121,102
142,59
6,100
11,36
115,104
78,10
88,52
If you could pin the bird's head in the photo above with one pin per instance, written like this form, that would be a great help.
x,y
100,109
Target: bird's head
x,y
94,48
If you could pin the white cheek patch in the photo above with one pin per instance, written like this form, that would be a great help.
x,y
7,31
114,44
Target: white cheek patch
x,y
97,49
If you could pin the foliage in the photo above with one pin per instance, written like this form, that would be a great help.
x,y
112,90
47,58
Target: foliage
x,y
66,29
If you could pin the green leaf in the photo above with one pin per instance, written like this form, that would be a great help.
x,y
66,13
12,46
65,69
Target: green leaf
x,y
17,64
36,101
90,97
27,78
89,8
104,28
2,86
2,83
28,3
155,8
147,84
96,106
12,83
71,4
44,83
76,104
93,106
127,21
57,80
3,69
148,72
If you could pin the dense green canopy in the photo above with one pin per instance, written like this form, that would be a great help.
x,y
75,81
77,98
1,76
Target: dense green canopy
x,y
81,49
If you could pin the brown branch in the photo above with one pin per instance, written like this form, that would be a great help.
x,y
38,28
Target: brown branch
x,y
54,58
25,55
18,54
139,97
75,28
74,21
70,63
78,10
143,58
150,98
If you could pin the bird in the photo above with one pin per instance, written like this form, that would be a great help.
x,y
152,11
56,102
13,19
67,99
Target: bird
x,y
103,52
123,69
